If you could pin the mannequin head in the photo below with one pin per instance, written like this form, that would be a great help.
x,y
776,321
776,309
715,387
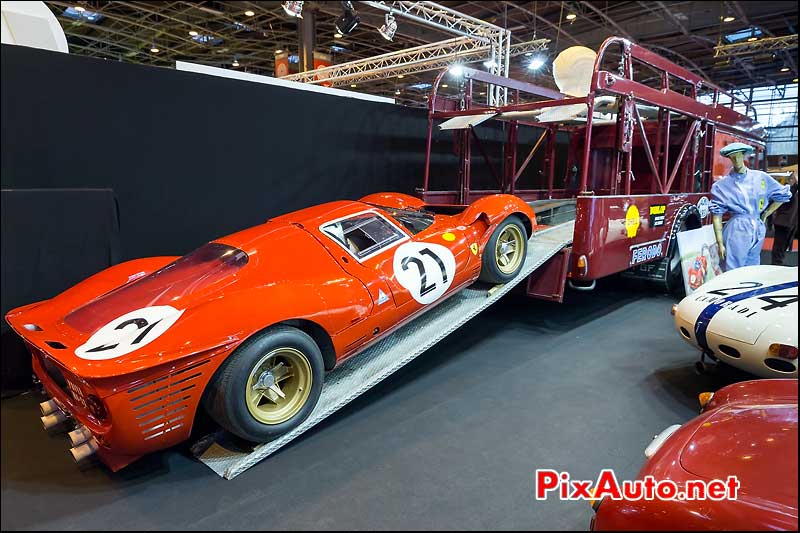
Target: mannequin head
x,y
737,152
737,158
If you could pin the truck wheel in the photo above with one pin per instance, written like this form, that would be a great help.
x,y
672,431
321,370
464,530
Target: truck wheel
x,y
673,277
504,254
268,386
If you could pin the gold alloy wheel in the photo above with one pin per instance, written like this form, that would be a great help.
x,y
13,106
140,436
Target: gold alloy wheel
x,y
278,386
508,250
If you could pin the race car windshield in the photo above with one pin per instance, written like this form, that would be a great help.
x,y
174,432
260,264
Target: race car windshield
x,y
210,265
414,221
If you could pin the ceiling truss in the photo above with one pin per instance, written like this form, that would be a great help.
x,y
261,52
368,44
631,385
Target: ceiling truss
x,y
690,33
423,58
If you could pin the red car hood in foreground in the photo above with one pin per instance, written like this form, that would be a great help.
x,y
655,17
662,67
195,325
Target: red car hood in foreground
x,y
752,442
748,430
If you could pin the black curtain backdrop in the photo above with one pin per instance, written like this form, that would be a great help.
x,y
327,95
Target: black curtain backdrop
x,y
51,239
194,157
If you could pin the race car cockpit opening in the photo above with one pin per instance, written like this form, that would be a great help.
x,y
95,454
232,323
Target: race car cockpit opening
x,y
364,234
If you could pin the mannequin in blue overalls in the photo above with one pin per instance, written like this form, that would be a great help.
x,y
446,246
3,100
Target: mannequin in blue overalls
x,y
750,196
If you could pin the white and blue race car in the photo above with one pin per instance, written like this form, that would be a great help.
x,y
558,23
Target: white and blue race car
x,y
746,318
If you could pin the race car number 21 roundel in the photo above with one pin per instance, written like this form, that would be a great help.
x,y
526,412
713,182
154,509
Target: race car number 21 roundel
x,y
426,270
128,332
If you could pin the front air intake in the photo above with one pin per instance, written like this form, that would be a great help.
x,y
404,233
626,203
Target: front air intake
x,y
779,365
730,351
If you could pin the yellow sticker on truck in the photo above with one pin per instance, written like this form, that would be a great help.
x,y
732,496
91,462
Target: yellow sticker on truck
x,y
632,221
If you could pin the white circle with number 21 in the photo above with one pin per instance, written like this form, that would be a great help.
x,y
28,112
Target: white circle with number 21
x,y
426,270
128,332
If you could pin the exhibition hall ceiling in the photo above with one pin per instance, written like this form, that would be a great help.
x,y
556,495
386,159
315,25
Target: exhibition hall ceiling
x,y
245,36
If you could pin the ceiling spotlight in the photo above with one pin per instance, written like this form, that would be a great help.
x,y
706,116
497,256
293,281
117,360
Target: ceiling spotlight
x,y
389,27
785,69
536,63
235,62
249,13
751,39
349,19
401,76
728,19
337,35
193,33
794,80
457,70
279,51
353,85
490,64
154,50
571,16
79,9
444,85
397,92
293,9
528,54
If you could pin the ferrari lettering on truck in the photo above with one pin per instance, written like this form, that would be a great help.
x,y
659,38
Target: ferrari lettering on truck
x,y
647,252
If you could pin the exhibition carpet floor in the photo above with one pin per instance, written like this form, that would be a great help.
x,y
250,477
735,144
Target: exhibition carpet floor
x,y
449,442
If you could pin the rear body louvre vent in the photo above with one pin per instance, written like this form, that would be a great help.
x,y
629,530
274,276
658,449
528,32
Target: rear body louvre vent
x,y
161,404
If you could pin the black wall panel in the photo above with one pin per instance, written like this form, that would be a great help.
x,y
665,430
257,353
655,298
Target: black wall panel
x,y
194,157
51,239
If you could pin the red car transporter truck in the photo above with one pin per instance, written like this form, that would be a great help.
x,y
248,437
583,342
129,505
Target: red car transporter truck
x,y
634,168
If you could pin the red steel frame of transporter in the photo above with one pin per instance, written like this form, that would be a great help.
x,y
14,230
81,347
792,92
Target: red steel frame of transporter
x,y
636,178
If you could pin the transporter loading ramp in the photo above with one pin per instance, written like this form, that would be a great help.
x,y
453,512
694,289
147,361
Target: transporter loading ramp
x,y
362,372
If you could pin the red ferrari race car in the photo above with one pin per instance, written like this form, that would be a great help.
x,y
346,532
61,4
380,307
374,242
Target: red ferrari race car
x,y
247,325
697,272
747,430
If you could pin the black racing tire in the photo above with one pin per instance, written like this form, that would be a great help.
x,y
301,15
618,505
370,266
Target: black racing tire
x,y
226,397
491,272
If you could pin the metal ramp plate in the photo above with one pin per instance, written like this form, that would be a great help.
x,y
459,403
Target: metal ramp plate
x,y
362,372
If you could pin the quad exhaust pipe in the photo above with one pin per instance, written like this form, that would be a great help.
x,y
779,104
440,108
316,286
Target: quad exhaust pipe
x,y
48,407
84,451
79,435
84,445
54,420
